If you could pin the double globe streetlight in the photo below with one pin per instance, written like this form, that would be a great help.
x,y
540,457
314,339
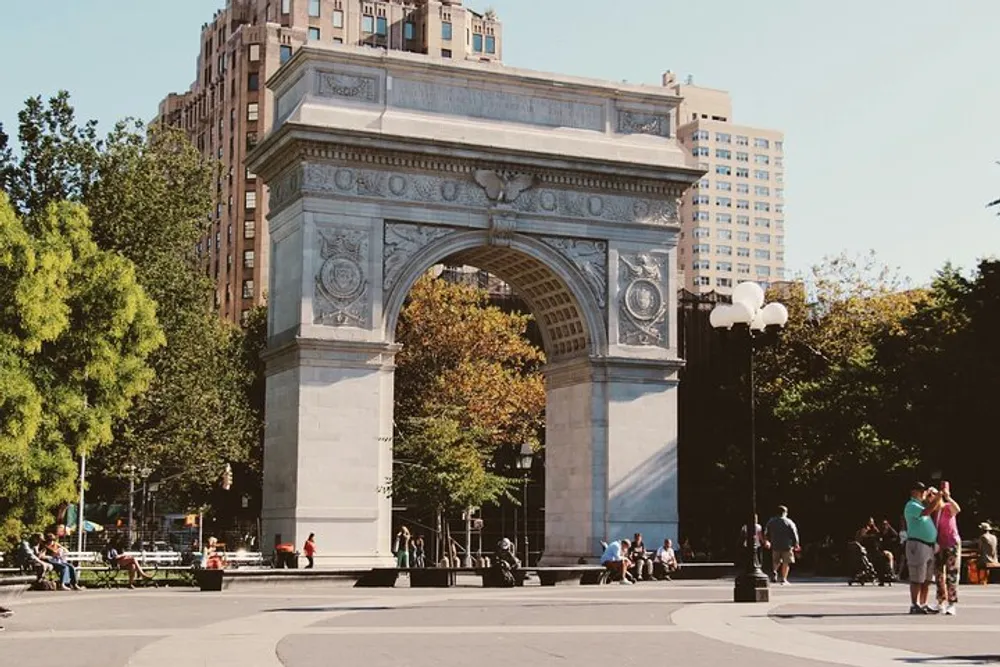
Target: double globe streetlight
x,y
749,318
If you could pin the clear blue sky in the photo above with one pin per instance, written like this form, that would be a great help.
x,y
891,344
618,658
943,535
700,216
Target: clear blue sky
x,y
891,108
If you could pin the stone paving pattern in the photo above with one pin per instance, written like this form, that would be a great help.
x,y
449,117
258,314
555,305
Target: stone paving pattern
x,y
687,623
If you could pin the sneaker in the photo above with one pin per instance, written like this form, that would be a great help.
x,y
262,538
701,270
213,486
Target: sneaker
x,y
917,610
932,610
784,582
5,613
625,582
950,610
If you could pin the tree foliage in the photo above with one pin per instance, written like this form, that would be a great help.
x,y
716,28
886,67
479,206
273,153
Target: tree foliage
x,y
468,394
76,334
149,194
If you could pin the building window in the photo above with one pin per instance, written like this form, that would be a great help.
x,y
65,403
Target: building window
x,y
743,252
742,141
251,199
248,259
313,35
338,40
700,199
723,138
702,281
701,249
779,224
761,159
761,143
743,204
254,54
409,30
249,174
446,53
702,184
723,218
725,186
762,270
723,153
338,18
742,157
743,237
742,172
762,222
285,52
779,256
743,220
723,282
724,250
779,193
761,174
700,216
742,188
251,140
700,135
700,151
779,240
286,6
779,146
702,232
446,30
779,208
367,23
249,229
762,238
701,265
724,201
723,170
743,269
381,26
761,253
314,8
491,44
247,289
761,206
477,42
252,111
253,82
725,234
762,191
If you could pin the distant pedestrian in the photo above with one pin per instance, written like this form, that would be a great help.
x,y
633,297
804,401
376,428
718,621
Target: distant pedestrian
x,y
948,559
419,552
783,536
921,539
401,548
309,549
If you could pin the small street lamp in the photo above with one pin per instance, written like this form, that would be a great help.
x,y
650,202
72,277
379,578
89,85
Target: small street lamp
x,y
524,461
749,318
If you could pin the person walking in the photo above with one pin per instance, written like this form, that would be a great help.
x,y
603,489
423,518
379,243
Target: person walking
x,y
948,559
921,538
987,556
402,548
309,549
783,536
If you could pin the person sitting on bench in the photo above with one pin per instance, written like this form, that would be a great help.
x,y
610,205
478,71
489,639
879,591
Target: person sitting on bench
x,y
27,555
53,553
642,566
665,561
123,562
614,560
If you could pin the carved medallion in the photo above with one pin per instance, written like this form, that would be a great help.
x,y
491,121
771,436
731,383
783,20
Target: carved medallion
x,y
362,88
342,282
642,304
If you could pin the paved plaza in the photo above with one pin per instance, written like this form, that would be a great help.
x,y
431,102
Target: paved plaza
x,y
689,623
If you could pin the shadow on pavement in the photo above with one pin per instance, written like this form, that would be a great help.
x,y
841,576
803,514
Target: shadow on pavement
x,y
954,660
870,614
324,610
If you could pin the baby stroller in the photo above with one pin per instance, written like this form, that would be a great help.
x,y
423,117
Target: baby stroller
x,y
863,568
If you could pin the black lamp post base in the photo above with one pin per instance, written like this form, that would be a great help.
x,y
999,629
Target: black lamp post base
x,y
751,587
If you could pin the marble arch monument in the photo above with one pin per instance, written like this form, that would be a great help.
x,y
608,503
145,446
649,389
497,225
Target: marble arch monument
x,y
381,165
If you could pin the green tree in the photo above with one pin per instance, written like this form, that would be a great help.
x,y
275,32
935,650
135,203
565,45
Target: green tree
x,y
76,333
149,195
469,393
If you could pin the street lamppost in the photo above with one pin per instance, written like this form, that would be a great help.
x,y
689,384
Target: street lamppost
x,y
750,319
523,463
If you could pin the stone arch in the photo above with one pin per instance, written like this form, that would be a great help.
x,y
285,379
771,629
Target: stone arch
x,y
568,313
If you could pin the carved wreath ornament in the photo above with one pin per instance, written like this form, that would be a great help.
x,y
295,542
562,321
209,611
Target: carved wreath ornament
x,y
341,284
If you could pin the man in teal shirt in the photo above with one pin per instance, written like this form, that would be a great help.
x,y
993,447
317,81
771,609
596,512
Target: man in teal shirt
x,y
921,536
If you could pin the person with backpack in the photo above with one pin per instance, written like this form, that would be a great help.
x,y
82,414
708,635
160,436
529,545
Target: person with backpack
x,y
782,537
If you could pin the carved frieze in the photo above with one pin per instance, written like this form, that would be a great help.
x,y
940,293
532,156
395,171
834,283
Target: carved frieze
x,y
401,242
285,188
503,225
590,258
515,192
501,105
637,122
342,296
360,88
642,302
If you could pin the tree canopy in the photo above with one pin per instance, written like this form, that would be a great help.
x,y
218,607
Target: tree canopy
x,y
76,334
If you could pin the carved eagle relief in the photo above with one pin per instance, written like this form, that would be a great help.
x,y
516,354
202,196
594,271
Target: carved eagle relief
x,y
503,187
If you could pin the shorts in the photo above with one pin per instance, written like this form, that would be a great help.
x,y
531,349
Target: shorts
x,y
920,562
779,558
